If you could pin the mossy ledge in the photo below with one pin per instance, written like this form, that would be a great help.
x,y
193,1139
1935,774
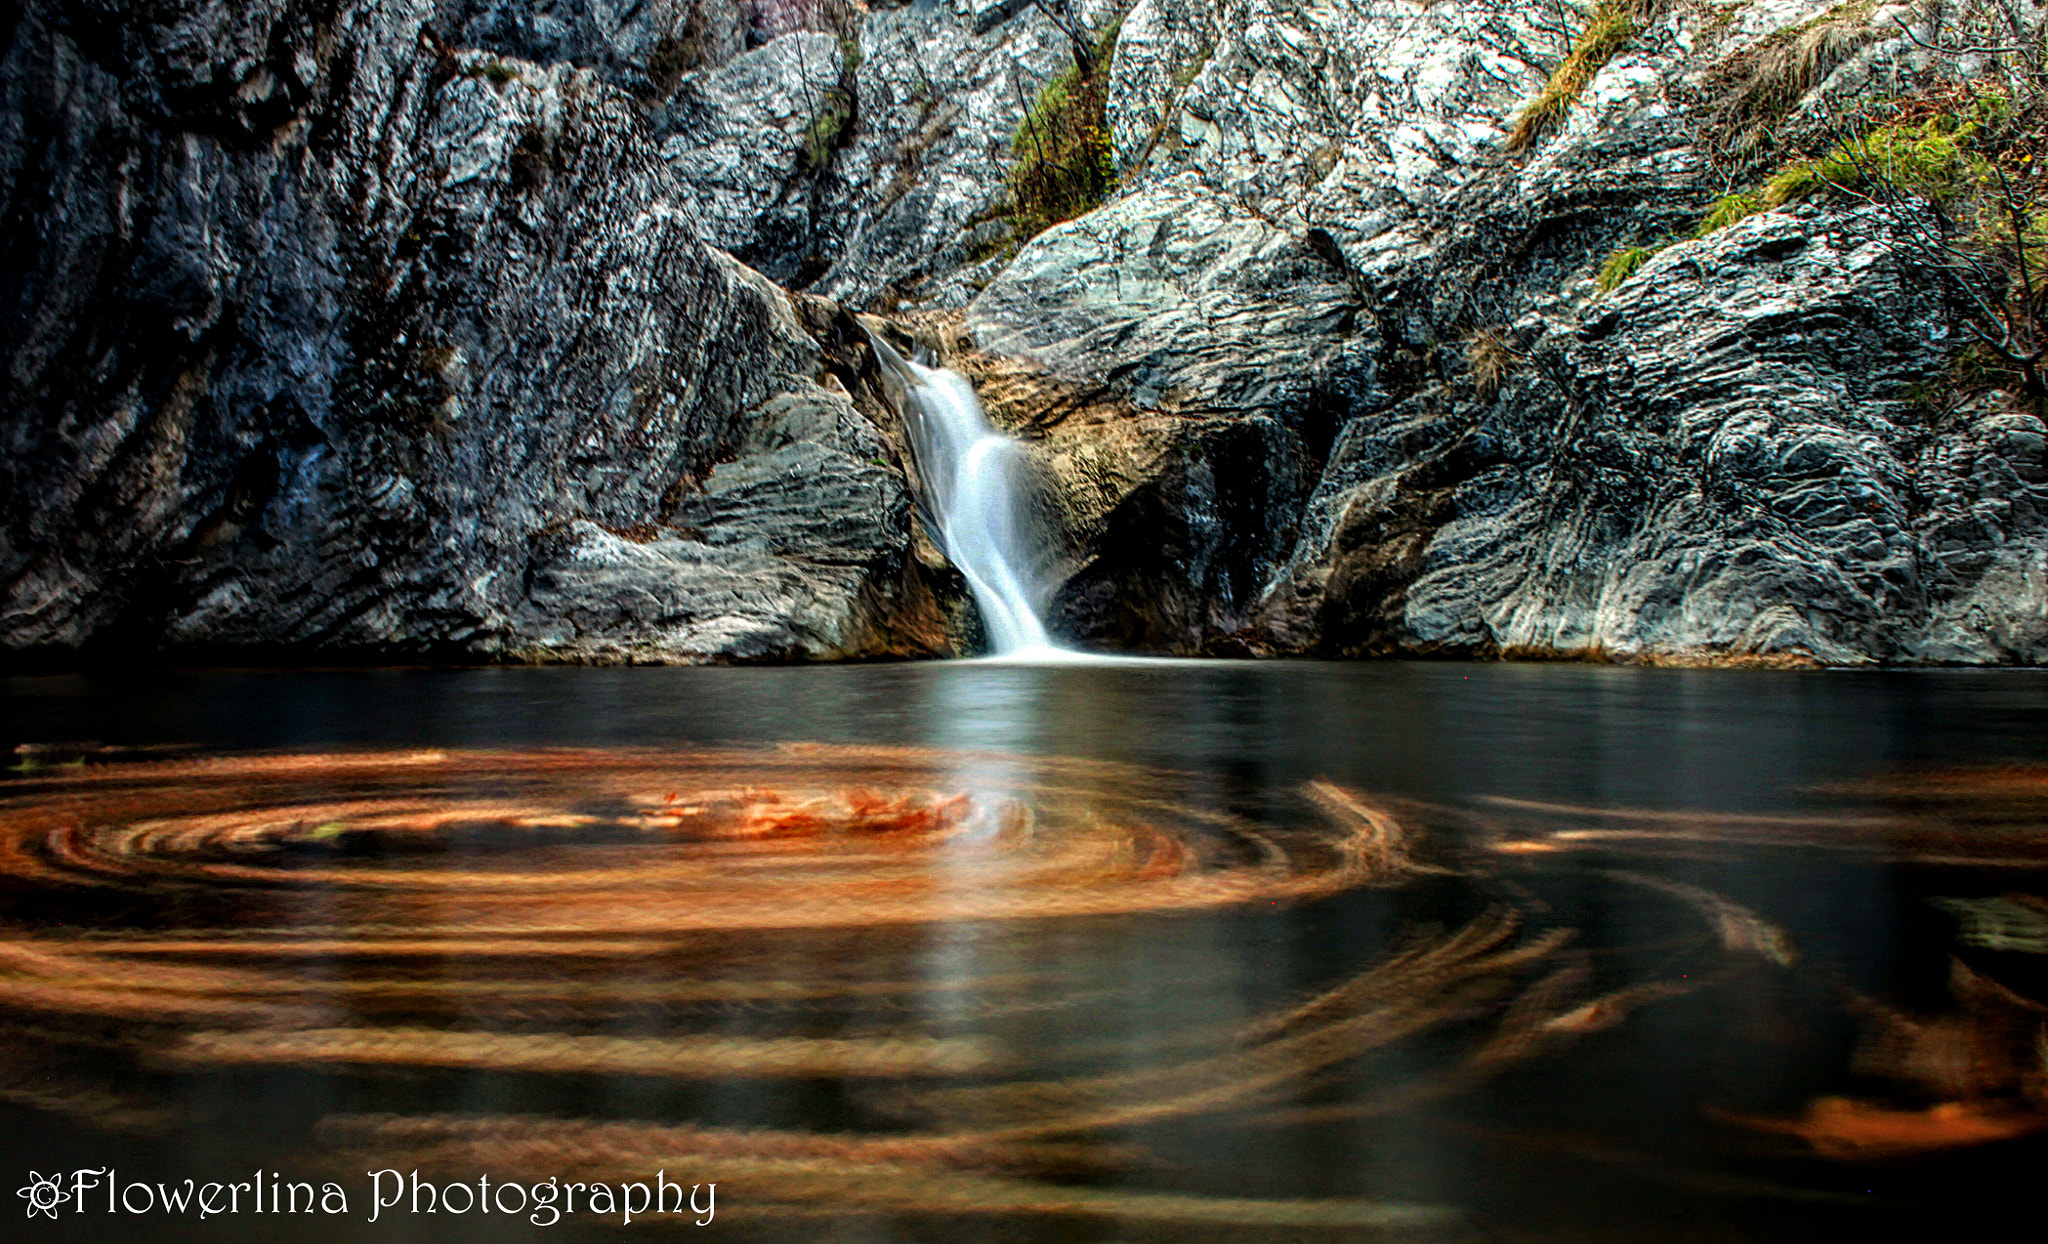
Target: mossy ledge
x,y
1065,161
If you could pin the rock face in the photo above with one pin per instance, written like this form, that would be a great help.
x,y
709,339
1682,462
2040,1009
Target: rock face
x,y
483,330
1653,504
863,157
1321,231
329,334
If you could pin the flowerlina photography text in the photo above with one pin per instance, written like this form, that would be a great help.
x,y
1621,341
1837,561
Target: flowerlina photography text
x,y
100,1190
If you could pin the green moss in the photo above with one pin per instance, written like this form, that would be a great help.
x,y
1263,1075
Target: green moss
x,y
1609,29
500,72
1621,265
822,137
1065,162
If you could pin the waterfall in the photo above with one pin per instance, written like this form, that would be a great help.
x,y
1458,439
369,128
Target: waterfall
x,y
974,483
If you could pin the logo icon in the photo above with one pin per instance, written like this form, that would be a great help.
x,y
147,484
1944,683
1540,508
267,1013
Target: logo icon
x,y
43,1193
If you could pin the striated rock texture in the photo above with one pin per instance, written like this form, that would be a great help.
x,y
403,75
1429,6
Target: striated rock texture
x,y
1444,439
488,330
329,334
863,153
1720,459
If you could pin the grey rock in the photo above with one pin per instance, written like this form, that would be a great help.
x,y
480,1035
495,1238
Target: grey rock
x,y
742,137
326,340
642,47
1171,521
1719,461
1176,296
1727,471
858,156
460,327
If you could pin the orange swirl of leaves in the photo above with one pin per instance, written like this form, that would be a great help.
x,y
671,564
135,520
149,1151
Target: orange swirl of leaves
x,y
547,854
583,843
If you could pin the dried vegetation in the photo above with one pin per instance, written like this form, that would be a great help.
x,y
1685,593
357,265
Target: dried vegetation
x,y
1608,29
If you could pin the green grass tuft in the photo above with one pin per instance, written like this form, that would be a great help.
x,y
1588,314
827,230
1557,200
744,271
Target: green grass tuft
x,y
822,137
1610,28
1726,210
1622,265
1933,159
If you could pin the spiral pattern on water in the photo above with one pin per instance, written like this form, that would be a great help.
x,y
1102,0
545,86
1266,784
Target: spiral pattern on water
x,y
717,917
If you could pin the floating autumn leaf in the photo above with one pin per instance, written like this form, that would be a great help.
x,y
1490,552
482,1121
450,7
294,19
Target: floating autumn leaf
x,y
1844,1128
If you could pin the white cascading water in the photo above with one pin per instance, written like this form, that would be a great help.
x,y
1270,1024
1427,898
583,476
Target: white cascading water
x,y
974,481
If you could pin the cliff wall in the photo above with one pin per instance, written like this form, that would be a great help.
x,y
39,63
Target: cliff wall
x,y
485,330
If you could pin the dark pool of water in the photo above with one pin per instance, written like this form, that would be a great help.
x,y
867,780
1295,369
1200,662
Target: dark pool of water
x,y
1747,882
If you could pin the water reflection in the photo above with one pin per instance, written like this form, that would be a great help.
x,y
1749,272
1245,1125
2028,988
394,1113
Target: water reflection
x,y
1079,952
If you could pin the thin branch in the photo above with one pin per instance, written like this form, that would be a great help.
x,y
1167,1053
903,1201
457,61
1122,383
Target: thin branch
x,y
1077,34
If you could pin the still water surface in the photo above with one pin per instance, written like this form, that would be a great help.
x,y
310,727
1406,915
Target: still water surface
x,y
1145,951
